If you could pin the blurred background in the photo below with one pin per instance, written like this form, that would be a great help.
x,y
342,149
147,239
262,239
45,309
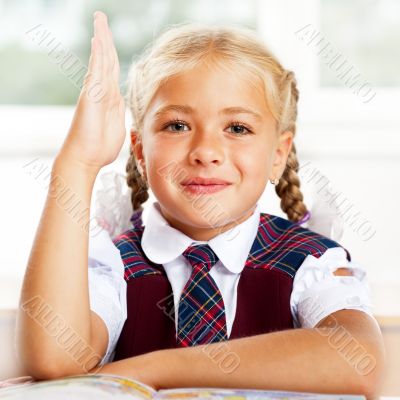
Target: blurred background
x,y
345,54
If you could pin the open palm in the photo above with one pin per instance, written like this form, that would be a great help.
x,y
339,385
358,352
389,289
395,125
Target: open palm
x,y
97,132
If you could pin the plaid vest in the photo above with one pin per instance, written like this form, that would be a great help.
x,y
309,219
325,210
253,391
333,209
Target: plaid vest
x,y
263,292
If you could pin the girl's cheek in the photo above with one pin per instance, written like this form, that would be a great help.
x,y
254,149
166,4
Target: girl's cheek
x,y
165,157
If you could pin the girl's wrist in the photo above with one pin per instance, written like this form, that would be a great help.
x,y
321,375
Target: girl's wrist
x,y
63,162
163,368
71,178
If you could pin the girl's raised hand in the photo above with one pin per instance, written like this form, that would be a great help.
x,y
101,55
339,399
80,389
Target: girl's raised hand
x,y
97,132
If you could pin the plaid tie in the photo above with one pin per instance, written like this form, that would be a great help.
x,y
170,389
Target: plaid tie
x,y
201,314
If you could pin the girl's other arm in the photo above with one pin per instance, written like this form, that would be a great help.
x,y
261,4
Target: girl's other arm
x,y
343,354
57,334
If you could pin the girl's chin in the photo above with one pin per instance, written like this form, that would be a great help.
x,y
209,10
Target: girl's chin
x,y
214,218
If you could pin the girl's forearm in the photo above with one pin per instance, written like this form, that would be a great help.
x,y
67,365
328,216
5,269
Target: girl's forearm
x,y
55,287
295,360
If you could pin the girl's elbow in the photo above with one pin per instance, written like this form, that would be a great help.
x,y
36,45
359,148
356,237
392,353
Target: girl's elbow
x,y
40,369
45,363
370,389
43,357
372,376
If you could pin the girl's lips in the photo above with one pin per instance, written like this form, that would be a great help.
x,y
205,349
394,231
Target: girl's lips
x,y
204,189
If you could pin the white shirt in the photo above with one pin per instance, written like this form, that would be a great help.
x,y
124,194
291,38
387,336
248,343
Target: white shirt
x,y
316,292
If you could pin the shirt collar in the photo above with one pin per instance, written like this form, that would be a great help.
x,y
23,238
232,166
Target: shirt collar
x,y
162,243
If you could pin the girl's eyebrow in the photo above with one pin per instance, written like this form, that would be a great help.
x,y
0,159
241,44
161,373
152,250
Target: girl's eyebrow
x,y
185,109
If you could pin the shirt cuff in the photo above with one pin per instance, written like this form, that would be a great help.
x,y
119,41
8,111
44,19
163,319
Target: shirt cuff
x,y
317,292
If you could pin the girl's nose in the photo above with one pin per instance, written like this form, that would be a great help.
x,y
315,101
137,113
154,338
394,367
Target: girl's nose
x,y
206,150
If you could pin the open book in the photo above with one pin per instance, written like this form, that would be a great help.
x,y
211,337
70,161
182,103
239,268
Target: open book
x,y
107,387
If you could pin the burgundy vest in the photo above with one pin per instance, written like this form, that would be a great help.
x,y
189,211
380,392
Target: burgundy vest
x,y
263,292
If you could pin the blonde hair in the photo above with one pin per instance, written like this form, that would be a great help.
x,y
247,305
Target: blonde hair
x,y
183,46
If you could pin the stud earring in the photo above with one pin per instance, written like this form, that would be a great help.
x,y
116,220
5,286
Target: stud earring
x,y
275,181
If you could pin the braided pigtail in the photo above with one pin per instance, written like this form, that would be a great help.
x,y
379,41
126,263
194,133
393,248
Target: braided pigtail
x,y
288,188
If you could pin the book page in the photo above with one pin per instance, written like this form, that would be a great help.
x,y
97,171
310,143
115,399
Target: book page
x,y
81,387
243,394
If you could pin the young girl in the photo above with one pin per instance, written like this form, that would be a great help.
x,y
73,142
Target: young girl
x,y
211,291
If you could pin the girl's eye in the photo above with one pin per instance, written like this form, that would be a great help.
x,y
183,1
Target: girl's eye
x,y
176,124
241,128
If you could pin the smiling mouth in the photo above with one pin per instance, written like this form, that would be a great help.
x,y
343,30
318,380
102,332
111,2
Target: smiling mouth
x,y
196,188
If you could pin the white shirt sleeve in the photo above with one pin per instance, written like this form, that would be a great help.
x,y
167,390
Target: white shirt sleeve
x,y
317,292
107,287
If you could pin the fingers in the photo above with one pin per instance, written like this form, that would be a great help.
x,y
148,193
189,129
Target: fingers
x,y
100,34
96,59
111,66
92,80
102,78
116,69
110,56
112,53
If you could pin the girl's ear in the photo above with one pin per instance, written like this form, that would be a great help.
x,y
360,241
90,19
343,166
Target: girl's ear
x,y
284,146
137,147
